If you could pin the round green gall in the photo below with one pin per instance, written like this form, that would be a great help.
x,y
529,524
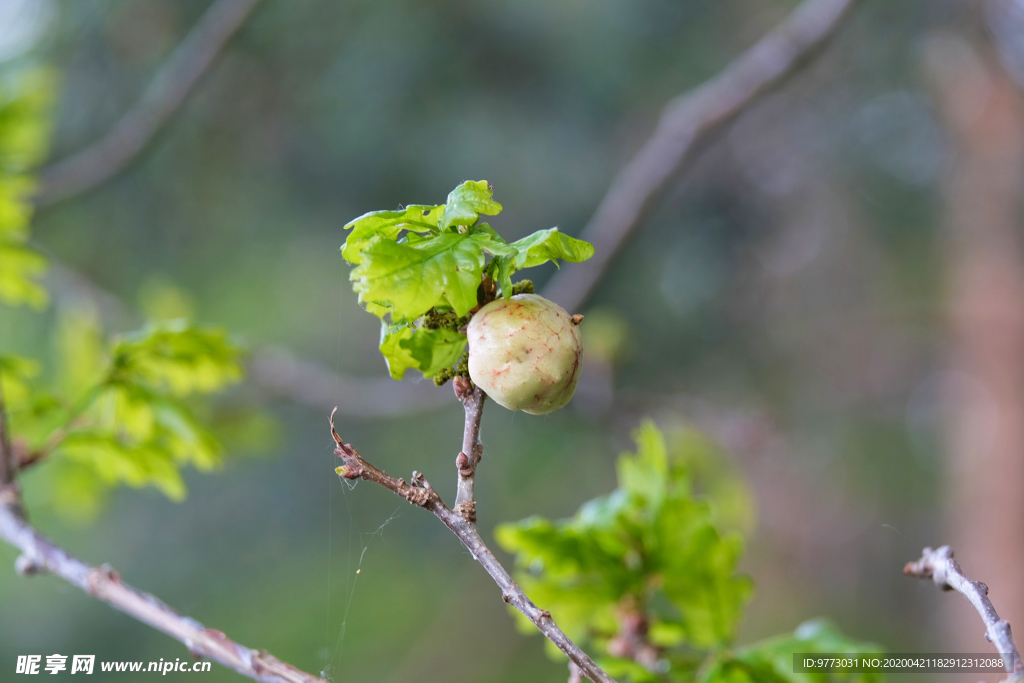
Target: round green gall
x,y
525,352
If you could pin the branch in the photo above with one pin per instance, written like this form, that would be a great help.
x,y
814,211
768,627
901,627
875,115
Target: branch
x,y
104,159
280,373
24,457
40,553
10,495
420,493
940,567
8,465
686,124
472,398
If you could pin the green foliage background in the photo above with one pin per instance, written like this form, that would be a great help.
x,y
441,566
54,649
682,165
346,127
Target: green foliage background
x,y
783,299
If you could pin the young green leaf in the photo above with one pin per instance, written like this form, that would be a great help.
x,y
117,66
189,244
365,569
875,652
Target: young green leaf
x,y
25,98
427,350
698,566
136,464
127,423
24,126
20,270
16,374
649,542
772,659
534,250
550,245
624,669
464,206
647,475
397,357
80,350
466,202
501,269
177,357
409,279
417,218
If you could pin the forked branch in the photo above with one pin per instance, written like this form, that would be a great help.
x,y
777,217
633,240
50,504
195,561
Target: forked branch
x,y
10,494
8,465
419,492
940,567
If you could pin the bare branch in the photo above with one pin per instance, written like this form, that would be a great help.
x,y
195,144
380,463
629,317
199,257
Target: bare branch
x,y
10,495
7,461
279,373
940,567
24,457
103,583
104,159
420,493
472,398
687,123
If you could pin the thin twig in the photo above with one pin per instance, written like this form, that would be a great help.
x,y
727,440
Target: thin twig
x,y
103,583
940,567
472,398
7,464
104,159
420,493
687,123
25,457
10,495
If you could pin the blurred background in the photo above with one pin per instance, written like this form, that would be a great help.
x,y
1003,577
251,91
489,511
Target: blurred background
x,y
833,292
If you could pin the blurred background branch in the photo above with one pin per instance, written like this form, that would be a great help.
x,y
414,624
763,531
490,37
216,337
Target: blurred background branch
x,y
687,124
177,78
7,460
277,372
10,495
